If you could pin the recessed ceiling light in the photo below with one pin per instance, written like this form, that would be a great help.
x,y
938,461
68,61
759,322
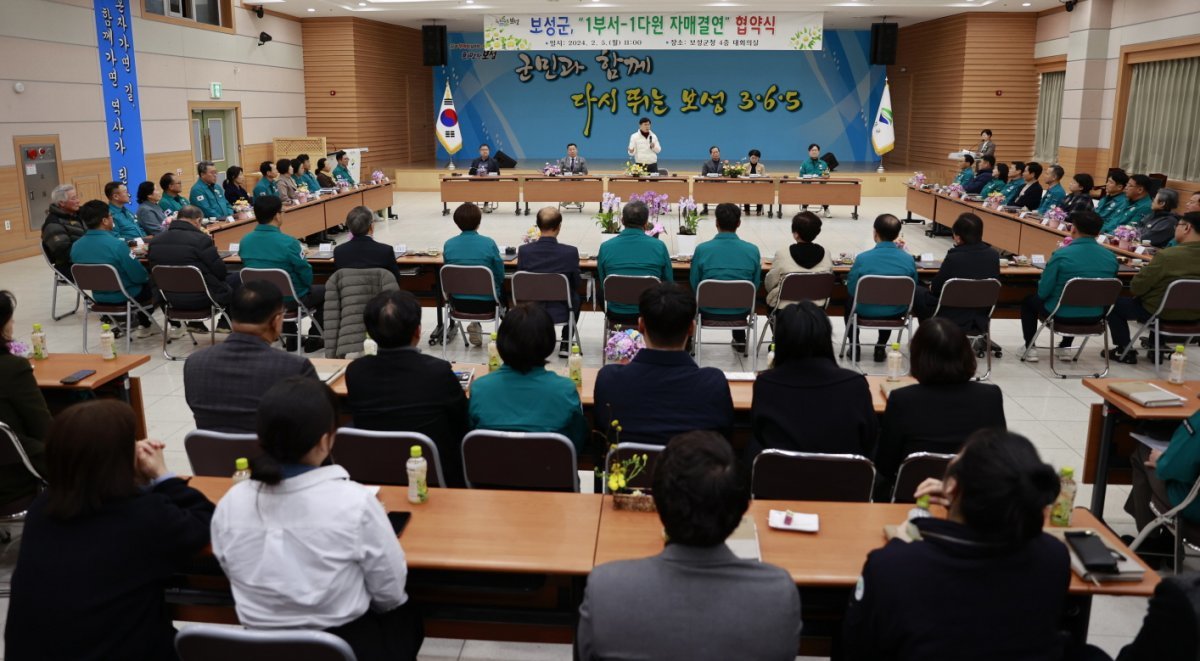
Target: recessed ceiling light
x,y
1026,4
311,9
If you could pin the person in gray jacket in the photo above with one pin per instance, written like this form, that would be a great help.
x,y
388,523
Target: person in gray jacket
x,y
346,296
696,600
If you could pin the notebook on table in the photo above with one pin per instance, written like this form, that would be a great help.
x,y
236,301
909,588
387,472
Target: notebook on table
x,y
1147,394
1128,569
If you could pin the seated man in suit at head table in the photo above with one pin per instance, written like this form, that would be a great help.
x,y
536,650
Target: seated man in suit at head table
x,y
573,163
707,604
470,248
402,389
632,253
224,383
970,258
711,167
547,255
341,173
1053,191
1082,258
1016,181
207,195
968,170
662,391
727,257
1029,196
362,251
484,165
983,176
266,184
754,167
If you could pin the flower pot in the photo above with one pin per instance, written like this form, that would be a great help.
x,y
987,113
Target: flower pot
x,y
639,502
303,197
1124,244
685,244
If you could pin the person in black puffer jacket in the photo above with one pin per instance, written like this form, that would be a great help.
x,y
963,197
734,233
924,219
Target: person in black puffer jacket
x,y
183,243
62,228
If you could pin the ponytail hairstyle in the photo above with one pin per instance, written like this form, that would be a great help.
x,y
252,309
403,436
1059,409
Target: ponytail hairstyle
x,y
293,415
1003,486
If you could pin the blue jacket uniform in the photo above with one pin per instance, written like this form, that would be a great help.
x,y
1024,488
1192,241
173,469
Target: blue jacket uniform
x,y
125,226
101,247
633,253
886,258
1084,258
726,257
473,249
211,200
538,401
267,247
1051,198
1134,212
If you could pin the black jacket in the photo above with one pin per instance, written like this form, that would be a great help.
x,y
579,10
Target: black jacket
x,y
490,163
547,255
402,389
812,405
24,410
1031,199
92,587
233,192
954,595
1158,228
935,418
973,261
60,231
364,252
1171,630
183,244
1077,202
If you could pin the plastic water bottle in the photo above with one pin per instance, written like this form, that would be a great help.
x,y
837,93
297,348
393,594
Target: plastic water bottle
x,y
920,511
417,467
38,340
1060,514
771,357
575,366
108,343
370,347
1178,363
895,363
241,470
494,360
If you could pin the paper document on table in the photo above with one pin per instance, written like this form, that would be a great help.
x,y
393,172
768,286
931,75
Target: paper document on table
x,y
744,540
739,376
330,375
1151,442
799,522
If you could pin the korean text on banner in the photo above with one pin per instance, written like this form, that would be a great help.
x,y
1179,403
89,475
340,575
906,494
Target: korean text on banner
x,y
118,79
681,31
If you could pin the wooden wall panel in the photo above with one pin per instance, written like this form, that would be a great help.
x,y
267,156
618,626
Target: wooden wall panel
x,y
13,243
946,75
181,163
383,95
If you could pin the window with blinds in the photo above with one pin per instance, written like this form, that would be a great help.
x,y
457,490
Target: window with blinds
x,y
1162,121
1049,116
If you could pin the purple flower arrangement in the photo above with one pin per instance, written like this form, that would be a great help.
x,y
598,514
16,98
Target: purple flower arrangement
x,y
623,345
18,348
551,170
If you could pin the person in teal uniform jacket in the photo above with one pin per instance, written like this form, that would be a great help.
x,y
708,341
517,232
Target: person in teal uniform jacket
x,y
267,247
1114,200
1054,193
1169,474
813,166
100,245
523,395
886,258
470,248
1139,194
125,225
266,183
968,172
172,200
998,183
304,176
342,171
633,253
207,195
1013,188
727,257
1082,258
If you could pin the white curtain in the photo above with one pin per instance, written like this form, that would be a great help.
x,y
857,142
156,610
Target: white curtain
x,y
1162,124
1049,116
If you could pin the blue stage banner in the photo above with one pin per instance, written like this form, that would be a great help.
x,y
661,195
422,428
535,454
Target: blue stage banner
x,y
118,79
532,103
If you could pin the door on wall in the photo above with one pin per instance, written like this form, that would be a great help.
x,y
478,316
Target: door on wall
x,y
39,176
214,138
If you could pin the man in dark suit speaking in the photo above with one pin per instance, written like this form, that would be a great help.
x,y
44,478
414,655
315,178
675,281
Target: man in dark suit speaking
x,y
547,255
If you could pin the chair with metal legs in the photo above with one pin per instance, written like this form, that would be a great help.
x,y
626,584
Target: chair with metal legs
x,y
890,290
60,280
1079,293
963,293
103,277
1181,296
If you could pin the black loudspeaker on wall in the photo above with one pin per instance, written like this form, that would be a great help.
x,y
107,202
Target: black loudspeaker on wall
x,y
883,42
433,45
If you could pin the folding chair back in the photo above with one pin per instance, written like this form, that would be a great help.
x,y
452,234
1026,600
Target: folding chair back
x,y
59,280
277,277
890,290
97,277
528,286
380,457
915,468
797,287
622,451
208,642
12,453
1181,296
458,280
785,475
519,461
1090,293
738,294
970,294
214,453
626,289
176,281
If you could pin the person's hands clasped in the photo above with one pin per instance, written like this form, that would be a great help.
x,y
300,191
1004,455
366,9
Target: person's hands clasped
x,y
149,460
936,491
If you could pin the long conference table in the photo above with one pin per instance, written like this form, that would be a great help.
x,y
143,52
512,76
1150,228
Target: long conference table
x,y
511,565
773,192
312,217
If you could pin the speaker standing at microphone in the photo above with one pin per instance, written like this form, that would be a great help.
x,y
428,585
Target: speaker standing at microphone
x,y
644,146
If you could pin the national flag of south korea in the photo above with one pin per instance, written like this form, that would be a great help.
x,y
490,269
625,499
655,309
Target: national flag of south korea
x,y
883,136
446,124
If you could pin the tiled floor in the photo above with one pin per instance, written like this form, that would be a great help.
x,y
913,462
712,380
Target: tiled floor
x,y
1051,412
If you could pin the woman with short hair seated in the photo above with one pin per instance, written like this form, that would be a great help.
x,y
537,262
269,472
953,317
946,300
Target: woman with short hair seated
x,y
303,546
101,544
807,403
943,408
523,395
983,583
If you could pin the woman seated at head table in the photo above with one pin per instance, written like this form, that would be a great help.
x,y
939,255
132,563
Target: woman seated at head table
x,y
102,542
983,583
305,547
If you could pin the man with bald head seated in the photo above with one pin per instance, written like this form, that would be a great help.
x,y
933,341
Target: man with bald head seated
x,y
547,255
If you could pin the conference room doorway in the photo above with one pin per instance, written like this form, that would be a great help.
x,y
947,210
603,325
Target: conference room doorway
x,y
216,134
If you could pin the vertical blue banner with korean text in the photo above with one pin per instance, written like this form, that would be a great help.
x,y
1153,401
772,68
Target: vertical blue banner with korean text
x,y
118,79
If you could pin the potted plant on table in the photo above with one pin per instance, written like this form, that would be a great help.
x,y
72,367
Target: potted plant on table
x,y
735,169
607,220
622,345
621,474
1126,236
635,169
689,224
551,170
658,205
